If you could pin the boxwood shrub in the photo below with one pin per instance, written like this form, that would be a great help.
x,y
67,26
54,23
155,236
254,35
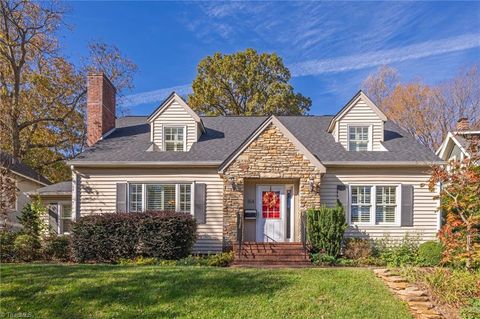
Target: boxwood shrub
x,y
111,237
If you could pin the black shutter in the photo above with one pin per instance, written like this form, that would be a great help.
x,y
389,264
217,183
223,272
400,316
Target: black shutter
x,y
342,196
407,206
121,197
200,206
53,217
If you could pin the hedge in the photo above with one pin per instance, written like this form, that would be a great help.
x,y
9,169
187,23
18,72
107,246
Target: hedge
x,y
111,237
325,229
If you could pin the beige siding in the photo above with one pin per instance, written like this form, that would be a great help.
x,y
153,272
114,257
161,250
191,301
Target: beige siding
x,y
425,207
361,114
24,186
175,115
98,195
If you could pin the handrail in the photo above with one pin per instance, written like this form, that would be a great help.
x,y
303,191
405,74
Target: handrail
x,y
304,231
239,232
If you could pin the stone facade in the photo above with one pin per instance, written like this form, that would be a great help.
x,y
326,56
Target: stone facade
x,y
270,156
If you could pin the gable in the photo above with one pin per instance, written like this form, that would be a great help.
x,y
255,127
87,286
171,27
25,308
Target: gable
x,y
273,131
174,112
359,111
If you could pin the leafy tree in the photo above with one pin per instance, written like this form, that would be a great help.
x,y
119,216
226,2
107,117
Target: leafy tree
x,y
245,83
428,112
42,94
460,200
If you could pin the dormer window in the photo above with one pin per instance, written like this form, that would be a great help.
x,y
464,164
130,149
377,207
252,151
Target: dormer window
x,y
174,139
358,138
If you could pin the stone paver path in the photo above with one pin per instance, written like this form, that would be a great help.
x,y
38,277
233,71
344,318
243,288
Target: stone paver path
x,y
417,299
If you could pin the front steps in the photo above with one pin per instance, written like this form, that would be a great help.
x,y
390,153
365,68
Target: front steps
x,y
253,254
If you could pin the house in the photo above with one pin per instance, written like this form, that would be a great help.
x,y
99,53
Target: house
x,y
58,200
456,145
26,179
259,172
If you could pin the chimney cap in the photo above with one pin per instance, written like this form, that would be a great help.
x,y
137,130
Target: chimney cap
x,y
102,74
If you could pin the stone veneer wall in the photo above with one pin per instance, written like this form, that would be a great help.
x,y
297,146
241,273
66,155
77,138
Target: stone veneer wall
x,y
270,155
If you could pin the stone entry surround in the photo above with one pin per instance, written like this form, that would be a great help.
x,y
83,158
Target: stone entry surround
x,y
270,156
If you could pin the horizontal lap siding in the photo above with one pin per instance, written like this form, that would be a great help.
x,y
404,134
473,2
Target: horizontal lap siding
x,y
425,207
98,195
174,115
361,114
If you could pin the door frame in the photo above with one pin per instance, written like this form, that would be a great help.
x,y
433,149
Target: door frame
x,y
283,211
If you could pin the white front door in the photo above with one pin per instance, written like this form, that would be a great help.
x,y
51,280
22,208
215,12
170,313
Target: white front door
x,y
271,202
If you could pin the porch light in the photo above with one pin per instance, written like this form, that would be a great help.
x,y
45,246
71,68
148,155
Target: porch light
x,y
232,183
311,184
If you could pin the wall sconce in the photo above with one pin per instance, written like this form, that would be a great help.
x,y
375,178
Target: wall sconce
x,y
232,183
311,184
314,188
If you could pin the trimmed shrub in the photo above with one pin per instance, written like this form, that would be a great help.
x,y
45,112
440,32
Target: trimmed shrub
x,y
105,237
111,237
27,248
166,235
57,248
221,260
358,248
325,229
430,253
7,245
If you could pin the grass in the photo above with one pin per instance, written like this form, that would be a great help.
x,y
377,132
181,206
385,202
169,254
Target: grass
x,y
112,291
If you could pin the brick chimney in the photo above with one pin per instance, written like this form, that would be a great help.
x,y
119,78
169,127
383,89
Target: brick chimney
x,y
100,107
463,124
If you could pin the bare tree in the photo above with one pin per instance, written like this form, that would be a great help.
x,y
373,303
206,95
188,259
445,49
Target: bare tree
x,y
427,112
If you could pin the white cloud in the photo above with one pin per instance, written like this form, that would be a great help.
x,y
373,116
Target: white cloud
x,y
376,58
155,96
340,64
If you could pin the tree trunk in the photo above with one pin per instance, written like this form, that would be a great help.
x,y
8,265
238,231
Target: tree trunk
x,y
469,246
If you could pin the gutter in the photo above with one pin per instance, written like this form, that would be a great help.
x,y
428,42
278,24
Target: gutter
x,y
143,164
381,163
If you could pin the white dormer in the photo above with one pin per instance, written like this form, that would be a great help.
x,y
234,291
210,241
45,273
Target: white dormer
x,y
174,126
359,126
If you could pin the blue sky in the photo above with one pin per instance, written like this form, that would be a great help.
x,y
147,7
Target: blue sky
x,y
330,47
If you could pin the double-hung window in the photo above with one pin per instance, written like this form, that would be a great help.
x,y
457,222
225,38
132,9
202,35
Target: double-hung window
x,y
374,204
386,204
361,204
174,138
158,196
60,217
358,138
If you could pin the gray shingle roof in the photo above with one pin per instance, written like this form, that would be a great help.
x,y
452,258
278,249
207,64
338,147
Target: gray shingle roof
x,y
55,189
17,166
131,140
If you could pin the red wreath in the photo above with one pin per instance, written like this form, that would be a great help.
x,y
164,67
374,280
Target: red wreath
x,y
271,205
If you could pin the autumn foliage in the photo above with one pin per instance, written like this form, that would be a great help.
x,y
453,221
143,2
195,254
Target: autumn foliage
x,y
460,202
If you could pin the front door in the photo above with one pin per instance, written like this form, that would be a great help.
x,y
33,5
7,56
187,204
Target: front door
x,y
271,202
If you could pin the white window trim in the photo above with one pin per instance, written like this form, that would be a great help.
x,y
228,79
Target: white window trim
x,y
184,127
177,194
370,136
59,216
373,205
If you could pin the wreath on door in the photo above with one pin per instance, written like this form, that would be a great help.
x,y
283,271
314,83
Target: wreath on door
x,y
270,200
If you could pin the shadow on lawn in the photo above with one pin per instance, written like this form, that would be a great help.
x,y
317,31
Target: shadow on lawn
x,y
156,291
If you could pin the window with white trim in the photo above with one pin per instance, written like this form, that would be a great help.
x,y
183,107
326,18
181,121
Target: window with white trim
x,y
358,138
159,196
66,219
174,138
361,204
386,204
374,204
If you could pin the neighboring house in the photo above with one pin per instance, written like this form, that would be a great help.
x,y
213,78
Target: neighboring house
x,y
267,170
456,145
26,180
58,200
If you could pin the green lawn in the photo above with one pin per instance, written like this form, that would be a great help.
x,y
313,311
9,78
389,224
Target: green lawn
x,y
103,291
